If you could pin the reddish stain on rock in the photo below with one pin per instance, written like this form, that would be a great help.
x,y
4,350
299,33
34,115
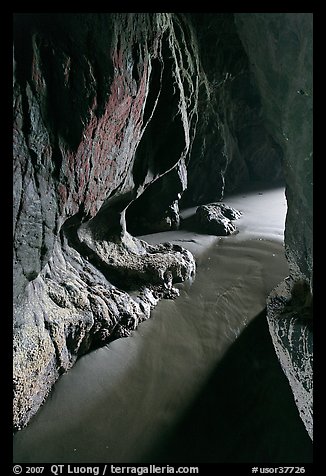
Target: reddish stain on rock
x,y
62,192
108,143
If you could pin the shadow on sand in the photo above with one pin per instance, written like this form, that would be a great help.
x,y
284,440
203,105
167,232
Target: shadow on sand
x,y
245,414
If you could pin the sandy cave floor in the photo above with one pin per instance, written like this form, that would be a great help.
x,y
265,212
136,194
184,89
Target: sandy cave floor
x,y
185,387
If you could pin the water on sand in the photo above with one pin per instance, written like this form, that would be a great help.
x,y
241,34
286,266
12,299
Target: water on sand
x,y
123,402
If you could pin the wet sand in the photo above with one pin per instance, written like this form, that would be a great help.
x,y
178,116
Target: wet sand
x,y
244,414
124,402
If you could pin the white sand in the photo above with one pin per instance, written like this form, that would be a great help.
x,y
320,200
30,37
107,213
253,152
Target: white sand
x,y
117,401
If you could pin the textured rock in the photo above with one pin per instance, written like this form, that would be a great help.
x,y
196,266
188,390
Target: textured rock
x,y
105,110
90,94
157,209
216,219
282,65
283,69
229,212
164,140
69,308
232,144
290,322
133,263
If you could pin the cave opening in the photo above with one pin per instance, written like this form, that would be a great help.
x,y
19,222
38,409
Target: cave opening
x,y
163,237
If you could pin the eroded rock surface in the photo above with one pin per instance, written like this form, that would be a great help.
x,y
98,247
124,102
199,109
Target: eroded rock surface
x,y
118,117
232,144
282,65
90,94
217,219
289,318
68,309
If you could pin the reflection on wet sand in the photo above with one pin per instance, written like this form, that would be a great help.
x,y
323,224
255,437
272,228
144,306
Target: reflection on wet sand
x,y
121,402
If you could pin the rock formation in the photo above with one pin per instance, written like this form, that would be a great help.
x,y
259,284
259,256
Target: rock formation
x,y
217,219
118,120
282,65
232,144
91,93
290,322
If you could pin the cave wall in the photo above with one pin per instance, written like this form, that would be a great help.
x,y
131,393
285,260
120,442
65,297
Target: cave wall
x,y
119,119
280,49
282,64
232,145
86,89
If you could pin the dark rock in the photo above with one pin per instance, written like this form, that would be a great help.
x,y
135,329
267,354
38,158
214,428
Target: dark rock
x,y
65,311
115,115
282,65
91,92
169,221
229,212
232,145
288,37
157,209
290,323
167,140
215,219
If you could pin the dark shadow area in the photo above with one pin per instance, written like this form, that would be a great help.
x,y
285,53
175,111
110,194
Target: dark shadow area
x,y
190,223
245,414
